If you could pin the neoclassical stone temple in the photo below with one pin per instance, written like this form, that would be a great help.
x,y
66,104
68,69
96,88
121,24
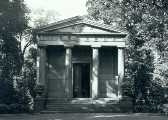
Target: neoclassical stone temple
x,y
81,66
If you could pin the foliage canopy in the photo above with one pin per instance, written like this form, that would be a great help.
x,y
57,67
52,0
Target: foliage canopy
x,y
146,22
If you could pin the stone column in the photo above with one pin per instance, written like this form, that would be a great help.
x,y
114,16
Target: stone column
x,y
120,69
95,71
42,66
68,71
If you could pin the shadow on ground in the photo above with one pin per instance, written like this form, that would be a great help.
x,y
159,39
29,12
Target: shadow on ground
x,y
83,116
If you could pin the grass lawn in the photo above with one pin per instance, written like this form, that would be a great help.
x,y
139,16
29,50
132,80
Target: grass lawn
x,y
83,116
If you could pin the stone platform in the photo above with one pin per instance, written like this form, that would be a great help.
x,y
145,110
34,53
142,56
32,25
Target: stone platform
x,y
86,105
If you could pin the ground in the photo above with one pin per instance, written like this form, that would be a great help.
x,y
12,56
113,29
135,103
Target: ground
x,y
83,116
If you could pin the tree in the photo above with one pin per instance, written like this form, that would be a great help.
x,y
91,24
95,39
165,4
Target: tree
x,y
40,18
146,22
29,71
12,16
107,10
13,20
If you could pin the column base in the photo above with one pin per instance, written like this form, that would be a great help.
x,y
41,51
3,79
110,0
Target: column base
x,y
40,100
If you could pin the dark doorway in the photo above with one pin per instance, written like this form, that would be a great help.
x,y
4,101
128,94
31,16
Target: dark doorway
x,y
81,80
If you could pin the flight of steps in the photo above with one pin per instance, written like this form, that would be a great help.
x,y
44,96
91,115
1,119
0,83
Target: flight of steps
x,y
80,105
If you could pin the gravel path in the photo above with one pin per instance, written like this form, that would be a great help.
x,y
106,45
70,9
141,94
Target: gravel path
x,y
82,116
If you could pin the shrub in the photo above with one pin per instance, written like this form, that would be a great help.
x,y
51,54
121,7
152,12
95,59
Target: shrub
x,y
4,108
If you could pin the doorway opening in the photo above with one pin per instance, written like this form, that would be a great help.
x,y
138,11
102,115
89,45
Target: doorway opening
x,y
81,80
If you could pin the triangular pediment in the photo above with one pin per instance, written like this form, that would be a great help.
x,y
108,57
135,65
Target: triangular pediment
x,y
81,28
79,25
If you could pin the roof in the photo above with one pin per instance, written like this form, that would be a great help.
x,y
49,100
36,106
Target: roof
x,y
77,20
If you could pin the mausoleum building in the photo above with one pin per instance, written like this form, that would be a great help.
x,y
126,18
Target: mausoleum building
x,y
81,66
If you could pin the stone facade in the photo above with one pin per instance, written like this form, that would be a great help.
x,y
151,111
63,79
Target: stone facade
x,y
81,66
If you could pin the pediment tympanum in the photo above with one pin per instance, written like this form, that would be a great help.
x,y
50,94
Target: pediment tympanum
x,y
81,28
80,31
79,24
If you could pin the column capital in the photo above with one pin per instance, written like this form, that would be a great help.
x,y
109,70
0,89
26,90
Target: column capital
x,y
95,46
68,46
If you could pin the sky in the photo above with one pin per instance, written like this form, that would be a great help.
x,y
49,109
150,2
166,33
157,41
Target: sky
x,y
64,8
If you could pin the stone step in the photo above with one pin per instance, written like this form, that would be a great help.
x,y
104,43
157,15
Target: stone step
x,y
85,105
83,108
80,102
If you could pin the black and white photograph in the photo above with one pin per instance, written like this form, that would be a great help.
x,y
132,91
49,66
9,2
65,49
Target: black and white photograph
x,y
83,59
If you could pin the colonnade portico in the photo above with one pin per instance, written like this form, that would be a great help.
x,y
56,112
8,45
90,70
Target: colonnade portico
x,y
94,72
75,45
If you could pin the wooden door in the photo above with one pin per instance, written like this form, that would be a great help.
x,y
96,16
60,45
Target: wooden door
x,y
81,80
